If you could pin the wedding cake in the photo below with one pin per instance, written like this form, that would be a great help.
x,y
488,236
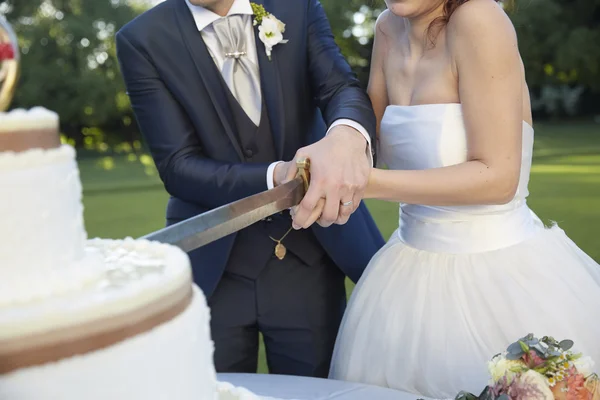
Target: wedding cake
x,y
89,319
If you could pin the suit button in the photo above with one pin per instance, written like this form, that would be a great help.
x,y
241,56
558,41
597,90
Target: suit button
x,y
249,153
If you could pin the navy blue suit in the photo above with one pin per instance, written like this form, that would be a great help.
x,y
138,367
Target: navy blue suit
x,y
192,127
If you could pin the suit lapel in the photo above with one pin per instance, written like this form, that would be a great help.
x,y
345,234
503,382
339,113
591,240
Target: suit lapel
x,y
272,90
208,71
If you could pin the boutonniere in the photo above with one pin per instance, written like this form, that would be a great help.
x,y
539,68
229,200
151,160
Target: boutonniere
x,y
270,29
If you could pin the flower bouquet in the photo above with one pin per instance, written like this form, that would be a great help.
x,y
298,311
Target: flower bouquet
x,y
539,369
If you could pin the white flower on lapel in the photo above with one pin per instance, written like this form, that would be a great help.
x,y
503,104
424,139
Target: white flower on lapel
x,y
270,29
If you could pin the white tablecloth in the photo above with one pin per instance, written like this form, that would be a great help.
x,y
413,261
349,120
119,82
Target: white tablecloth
x,y
299,388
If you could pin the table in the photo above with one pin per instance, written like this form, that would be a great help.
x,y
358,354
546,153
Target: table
x,y
300,388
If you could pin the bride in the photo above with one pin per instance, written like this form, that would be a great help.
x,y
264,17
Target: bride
x,y
470,268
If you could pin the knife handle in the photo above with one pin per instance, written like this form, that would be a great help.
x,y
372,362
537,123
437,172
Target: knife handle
x,y
303,165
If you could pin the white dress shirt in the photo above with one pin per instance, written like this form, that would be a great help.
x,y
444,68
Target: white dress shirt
x,y
204,19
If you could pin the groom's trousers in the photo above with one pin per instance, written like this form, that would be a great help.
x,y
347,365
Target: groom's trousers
x,y
296,303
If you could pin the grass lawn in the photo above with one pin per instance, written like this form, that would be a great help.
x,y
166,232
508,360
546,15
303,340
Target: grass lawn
x,y
128,199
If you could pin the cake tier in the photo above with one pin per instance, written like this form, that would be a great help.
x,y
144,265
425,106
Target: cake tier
x,y
134,275
22,130
42,235
171,361
140,332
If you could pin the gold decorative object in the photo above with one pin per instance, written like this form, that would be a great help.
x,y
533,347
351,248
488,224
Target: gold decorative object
x,y
9,64
303,165
280,249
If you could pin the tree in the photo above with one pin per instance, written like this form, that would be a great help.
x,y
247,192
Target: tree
x,y
352,23
69,63
560,41
69,60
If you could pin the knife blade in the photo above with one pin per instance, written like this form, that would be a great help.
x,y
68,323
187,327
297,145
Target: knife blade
x,y
205,228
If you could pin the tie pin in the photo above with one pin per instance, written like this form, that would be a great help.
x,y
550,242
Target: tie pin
x,y
235,54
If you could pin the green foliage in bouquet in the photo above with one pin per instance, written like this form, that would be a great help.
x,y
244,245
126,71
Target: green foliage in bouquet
x,y
539,369
545,348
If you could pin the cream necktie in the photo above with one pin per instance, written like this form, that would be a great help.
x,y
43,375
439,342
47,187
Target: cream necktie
x,y
240,74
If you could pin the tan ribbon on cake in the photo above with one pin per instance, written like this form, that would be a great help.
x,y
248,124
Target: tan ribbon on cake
x,y
56,345
29,139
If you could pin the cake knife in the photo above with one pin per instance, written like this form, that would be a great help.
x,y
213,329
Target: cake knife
x,y
215,224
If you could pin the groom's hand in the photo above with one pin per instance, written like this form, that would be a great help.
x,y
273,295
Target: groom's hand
x,y
339,173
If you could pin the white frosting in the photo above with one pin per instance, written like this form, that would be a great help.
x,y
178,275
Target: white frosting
x,y
134,273
36,158
21,119
42,235
172,361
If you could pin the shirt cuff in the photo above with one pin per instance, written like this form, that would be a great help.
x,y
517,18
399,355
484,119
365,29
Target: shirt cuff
x,y
271,175
358,127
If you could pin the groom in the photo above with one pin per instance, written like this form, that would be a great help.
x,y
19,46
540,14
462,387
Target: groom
x,y
218,115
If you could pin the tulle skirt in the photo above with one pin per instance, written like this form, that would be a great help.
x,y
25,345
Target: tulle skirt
x,y
428,323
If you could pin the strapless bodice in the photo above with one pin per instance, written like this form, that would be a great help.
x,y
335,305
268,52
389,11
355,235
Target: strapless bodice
x,y
433,136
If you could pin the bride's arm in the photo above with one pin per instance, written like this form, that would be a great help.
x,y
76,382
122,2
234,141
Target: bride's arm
x,y
484,46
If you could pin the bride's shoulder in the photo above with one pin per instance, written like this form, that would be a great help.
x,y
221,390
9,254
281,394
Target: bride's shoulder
x,y
479,19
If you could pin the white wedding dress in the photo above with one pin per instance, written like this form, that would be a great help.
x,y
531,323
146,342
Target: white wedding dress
x,y
456,285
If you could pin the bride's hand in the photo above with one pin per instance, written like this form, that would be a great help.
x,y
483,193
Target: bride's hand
x,y
340,168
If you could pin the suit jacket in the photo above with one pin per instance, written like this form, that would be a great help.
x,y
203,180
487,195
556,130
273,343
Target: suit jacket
x,y
178,100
